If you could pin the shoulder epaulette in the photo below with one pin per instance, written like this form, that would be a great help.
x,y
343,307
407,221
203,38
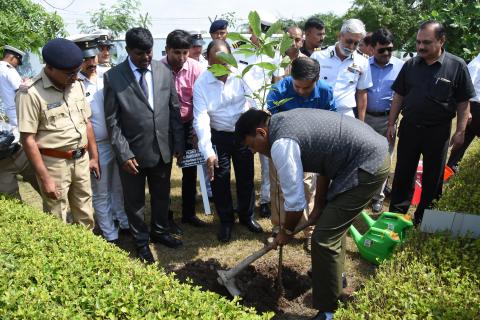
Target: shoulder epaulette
x,y
362,54
25,86
9,66
237,44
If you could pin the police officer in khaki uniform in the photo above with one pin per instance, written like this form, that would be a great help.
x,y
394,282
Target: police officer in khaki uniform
x,y
56,133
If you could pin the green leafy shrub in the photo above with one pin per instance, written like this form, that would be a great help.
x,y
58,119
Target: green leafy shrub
x,y
462,193
54,271
430,277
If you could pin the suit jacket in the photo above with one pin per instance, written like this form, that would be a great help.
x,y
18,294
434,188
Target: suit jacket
x,y
135,129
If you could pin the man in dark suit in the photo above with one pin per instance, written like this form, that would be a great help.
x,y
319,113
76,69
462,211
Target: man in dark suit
x,y
142,113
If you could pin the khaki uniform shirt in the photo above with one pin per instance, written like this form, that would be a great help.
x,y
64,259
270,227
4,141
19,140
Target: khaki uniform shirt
x,y
59,118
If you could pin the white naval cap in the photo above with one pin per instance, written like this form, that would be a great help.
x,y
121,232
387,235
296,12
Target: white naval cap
x,y
87,42
16,52
267,18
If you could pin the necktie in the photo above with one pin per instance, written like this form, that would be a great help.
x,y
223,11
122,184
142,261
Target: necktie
x,y
143,81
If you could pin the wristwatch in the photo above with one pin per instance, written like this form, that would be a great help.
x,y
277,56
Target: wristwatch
x,y
288,232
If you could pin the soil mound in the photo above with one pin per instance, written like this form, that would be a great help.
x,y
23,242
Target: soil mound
x,y
258,283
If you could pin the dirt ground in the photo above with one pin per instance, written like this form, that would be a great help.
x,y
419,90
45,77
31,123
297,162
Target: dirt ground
x,y
202,254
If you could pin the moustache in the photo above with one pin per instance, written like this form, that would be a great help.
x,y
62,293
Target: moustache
x,y
422,50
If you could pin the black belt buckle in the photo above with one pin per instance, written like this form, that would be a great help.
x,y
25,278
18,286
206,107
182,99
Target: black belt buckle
x,y
78,153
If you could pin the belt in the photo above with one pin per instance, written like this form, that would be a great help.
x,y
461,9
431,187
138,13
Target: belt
x,y
379,113
71,154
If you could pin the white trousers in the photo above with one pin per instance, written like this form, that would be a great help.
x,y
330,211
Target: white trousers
x,y
265,186
107,194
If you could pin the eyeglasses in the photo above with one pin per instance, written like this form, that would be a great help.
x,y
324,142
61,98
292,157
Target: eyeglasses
x,y
72,74
351,41
382,50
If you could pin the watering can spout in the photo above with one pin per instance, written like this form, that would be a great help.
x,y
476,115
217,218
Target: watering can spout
x,y
357,237
367,218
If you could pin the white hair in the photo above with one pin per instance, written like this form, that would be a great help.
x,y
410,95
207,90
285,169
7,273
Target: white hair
x,y
353,26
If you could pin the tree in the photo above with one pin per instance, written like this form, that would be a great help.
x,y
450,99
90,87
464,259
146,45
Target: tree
x,y
28,26
118,18
402,17
230,16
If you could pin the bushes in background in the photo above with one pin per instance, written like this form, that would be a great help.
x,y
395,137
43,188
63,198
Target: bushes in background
x,y
429,277
462,192
54,271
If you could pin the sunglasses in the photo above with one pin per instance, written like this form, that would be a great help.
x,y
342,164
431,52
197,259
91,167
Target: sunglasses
x,y
382,50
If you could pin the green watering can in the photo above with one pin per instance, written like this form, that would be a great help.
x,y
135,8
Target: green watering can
x,y
396,222
376,244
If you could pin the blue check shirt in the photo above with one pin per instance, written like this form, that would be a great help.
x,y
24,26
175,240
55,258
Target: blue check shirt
x,y
380,95
320,98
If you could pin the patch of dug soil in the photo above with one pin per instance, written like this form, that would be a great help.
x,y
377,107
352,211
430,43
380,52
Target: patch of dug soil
x,y
258,283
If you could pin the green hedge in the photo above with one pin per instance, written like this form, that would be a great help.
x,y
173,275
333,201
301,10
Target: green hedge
x,y
54,271
430,277
462,192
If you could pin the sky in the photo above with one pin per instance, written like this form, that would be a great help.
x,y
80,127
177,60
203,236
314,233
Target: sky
x,y
193,14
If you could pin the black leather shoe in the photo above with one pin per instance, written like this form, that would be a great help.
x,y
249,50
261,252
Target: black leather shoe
x,y
166,239
145,255
124,232
265,211
194,221
252,225
225,233
174,228
114,242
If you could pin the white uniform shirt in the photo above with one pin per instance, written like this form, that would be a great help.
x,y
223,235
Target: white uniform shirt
x,y
474,70
345,77
203,62
217,105
288,162
148,78
9,83
94,96
257,77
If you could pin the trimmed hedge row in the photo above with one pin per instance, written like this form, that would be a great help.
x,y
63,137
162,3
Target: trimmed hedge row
x,y
430,277
54,271
462,193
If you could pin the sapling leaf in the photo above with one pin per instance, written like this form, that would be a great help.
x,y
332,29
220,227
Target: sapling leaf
x,y
254,22
227,58
219,70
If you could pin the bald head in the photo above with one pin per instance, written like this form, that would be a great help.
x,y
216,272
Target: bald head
x,y
297,36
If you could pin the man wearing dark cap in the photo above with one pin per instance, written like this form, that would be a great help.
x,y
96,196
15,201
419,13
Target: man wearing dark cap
x,y
56,133
195,51
142,112
218,30
13,160
107,192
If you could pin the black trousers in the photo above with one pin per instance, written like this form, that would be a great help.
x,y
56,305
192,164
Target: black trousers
x,y
229,150
472,131
432,144
189,177
158,179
